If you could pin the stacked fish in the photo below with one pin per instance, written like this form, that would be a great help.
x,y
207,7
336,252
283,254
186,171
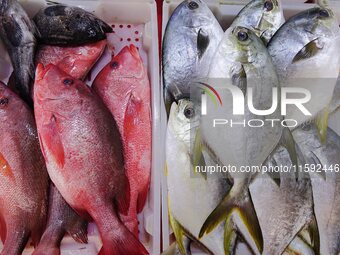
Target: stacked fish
x,y
70,153
289,213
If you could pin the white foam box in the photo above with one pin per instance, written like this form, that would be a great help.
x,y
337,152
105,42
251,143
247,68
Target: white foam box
x,y
133,22
225,11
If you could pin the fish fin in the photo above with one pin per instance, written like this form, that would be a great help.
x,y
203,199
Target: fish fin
x,y
287,141
5,168
51,140
272,175
3,229
317,161
220,213
230,237
166,171
239,79
270,161
79,231
109,225
178,232
238,201
314,235
249,218
142,196
168,100
321,123
198,158
202,42
171,250
123,198
308,51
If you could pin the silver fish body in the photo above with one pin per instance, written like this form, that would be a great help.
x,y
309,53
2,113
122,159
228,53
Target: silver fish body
x,y
191,198
303,51
190,40
285,210
325,157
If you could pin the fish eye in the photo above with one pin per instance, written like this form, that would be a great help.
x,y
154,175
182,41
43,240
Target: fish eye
x,y
193,5
68,81
114,65
3,101
268,5
324,13
242,36
189,112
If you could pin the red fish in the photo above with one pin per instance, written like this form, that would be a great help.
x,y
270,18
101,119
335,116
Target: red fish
x,y
76,61
83,152
23,176
125,89
61,219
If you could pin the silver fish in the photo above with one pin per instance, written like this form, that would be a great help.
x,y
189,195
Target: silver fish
x,y
325,157
303,51
190,40
242,61
18,33
191,198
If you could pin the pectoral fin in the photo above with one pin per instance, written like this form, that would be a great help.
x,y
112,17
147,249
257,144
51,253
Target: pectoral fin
x,y
198,157
202,42
310,50
321,122
287,141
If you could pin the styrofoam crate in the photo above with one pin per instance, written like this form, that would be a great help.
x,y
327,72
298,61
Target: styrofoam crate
x,y
133,22
225,11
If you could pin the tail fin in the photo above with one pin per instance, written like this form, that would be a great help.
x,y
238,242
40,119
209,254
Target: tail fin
x,y
117,239
239,201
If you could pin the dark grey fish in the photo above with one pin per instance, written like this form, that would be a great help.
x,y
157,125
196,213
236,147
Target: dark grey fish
x,y
67,25
18,33
62,219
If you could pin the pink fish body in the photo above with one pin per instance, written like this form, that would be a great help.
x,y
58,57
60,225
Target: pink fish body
x,y
83,152
23,176
124,87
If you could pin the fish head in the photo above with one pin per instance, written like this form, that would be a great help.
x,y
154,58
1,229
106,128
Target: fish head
x,y
243,45
264,17
184,119
58,91
127,63
193,14
317,22
9,102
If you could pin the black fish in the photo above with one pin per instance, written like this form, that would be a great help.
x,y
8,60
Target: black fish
x,y
66,25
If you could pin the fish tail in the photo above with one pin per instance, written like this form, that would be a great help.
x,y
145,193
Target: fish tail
x,y
79,230
16,239
237,201
50,241
117,239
